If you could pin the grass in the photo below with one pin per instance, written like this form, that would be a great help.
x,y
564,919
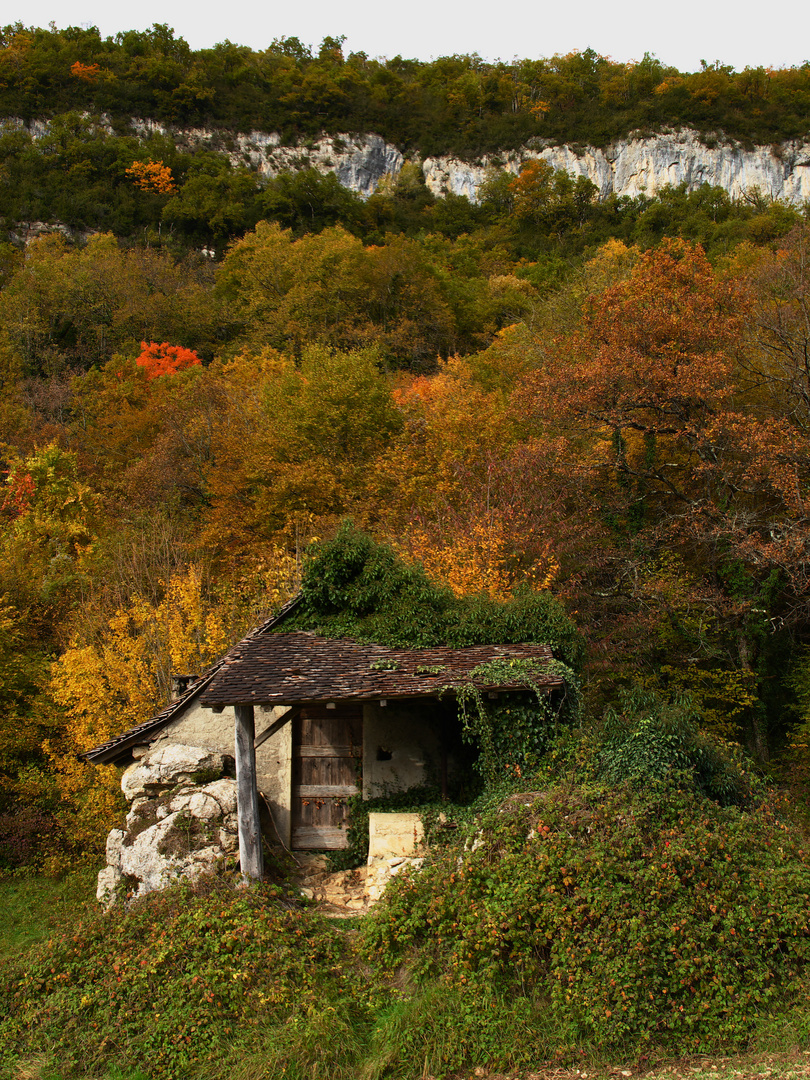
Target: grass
x,y
34,907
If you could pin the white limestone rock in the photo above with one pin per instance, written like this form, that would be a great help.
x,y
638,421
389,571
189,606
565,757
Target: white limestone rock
x,y
168,765
215,800
115,842
175,827
109,882
166,851
637,166
228,840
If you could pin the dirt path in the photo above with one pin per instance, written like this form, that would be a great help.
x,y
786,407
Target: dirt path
x,y
792,1066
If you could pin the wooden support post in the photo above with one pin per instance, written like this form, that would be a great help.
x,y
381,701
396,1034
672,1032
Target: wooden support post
x,y
247,795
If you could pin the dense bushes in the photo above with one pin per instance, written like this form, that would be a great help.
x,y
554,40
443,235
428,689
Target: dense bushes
x,y
568,918
649,739
185,980
628,917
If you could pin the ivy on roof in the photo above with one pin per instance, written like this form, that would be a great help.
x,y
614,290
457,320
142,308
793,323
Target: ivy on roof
x,y
355,587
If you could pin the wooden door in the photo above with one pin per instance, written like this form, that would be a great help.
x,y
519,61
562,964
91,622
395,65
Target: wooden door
x,y
327,752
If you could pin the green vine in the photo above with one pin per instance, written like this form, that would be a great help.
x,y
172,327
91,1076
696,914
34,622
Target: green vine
x,y
514,731
386,664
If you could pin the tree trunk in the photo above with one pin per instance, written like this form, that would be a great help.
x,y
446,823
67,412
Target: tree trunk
x,y
758,728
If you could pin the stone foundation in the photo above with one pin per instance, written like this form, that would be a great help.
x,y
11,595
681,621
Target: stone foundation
x,y
394,844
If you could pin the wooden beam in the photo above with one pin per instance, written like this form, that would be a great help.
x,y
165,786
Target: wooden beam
x,y
247,795
318,837
277,725
324,791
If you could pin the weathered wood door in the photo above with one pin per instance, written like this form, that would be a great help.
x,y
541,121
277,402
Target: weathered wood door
x,y
327,752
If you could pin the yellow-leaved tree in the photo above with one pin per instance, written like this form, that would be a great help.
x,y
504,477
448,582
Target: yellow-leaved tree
x,y
122,678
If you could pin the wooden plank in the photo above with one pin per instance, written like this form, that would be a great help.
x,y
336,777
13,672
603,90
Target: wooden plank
x,y
277,725
327,746
327,751
324,791
251,860
315,837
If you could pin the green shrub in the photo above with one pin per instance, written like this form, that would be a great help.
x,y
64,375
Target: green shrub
x,y
354,586
650,739
179,982
630,917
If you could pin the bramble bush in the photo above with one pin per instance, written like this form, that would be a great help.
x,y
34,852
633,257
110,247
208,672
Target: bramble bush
x,y
178,982
629,917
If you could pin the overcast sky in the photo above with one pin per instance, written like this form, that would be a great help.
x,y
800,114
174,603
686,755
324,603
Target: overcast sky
x,y
680,34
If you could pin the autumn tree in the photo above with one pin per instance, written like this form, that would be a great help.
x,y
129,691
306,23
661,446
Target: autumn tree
x,y
152,176
777,362
165,359
50,517
550,199
73,308
315,432
645,409
119,678
329,288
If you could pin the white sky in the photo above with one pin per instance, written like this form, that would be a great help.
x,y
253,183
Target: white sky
x,y
680,33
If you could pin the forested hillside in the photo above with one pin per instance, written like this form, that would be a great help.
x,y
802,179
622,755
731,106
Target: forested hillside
x,y
545,413
204,369
456,104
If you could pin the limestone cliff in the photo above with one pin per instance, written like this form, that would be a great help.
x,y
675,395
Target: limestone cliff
x,y
626,167
644,166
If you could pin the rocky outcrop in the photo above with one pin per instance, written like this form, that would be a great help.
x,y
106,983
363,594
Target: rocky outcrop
x,y
182,822
358,161
171,765
643,166
24,232
630,166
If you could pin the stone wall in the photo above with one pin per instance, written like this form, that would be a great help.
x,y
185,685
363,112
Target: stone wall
x,y
394,844
400,746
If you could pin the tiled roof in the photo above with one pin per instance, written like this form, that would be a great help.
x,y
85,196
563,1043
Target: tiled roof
x,y
288,668
119,747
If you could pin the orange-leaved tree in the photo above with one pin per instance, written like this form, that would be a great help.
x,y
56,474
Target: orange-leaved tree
x,y
165,359
152,176
662,451
86,72
478,555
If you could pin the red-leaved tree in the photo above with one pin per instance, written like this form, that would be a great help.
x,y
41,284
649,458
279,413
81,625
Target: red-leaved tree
x,y
165,359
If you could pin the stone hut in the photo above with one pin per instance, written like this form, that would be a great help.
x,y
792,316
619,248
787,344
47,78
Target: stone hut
x,y
305,722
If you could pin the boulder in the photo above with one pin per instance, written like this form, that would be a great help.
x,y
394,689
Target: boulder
x,y
168,850
169,765
182,822
109,883
215,800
